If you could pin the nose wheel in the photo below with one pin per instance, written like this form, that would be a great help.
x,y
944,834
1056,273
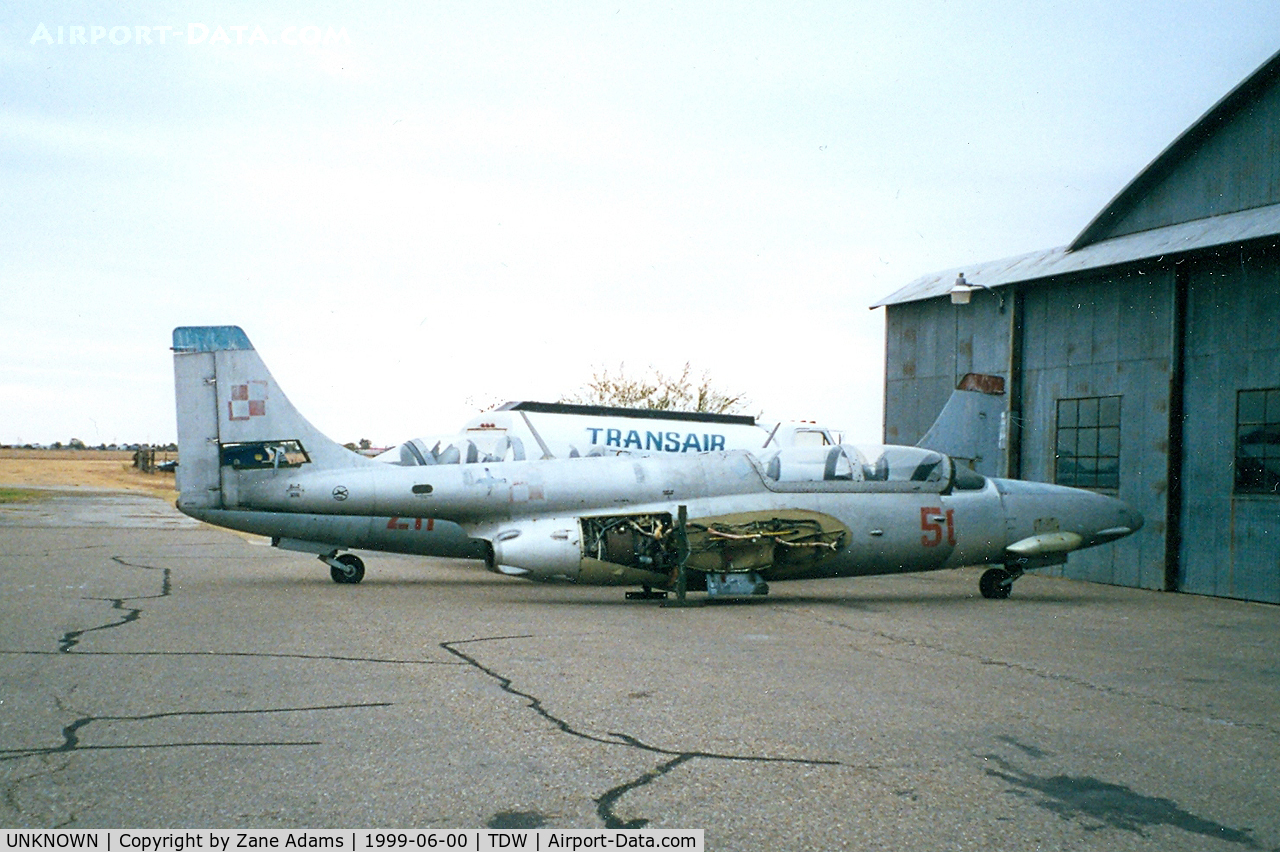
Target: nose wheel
x,y
997,583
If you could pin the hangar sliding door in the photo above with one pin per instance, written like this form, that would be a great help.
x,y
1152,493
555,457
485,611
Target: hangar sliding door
x,y
1230,536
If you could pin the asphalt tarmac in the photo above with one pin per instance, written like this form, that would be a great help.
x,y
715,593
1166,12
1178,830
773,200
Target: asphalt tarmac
x,y
157,673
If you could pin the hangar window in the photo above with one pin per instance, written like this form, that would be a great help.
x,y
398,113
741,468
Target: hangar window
x,y
1087,442
1258,441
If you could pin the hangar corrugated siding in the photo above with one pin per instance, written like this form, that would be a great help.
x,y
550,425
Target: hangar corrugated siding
x,y
1107,335
1170,300
1230,542
928,354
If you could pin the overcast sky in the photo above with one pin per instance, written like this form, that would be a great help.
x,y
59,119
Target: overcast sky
x,y
416,209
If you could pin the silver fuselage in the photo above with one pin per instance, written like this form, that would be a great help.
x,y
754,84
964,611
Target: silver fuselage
x,y
530,510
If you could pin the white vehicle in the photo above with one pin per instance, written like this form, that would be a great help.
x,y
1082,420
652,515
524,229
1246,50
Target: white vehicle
x,y
517,431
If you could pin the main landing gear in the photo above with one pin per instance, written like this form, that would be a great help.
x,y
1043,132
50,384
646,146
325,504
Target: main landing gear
x,y
347,568
997,583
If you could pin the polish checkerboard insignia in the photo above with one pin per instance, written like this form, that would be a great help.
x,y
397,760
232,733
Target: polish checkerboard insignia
x,y
247,400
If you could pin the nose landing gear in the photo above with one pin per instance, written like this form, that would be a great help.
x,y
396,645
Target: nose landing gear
x,y
997,583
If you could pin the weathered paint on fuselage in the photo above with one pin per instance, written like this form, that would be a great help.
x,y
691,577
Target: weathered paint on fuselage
x,y
530,510
250,461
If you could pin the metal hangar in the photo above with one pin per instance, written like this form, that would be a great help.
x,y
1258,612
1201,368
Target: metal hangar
x,y
1141,360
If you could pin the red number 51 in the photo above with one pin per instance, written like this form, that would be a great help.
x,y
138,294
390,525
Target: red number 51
x,y
932,519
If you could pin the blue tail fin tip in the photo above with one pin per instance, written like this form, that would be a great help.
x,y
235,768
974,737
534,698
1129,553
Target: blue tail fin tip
x,y
209,338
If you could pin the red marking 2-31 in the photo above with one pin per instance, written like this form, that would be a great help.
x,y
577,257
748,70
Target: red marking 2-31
x,y
411,523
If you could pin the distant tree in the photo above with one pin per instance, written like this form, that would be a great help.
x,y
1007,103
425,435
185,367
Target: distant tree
x,y
483,402
75,444
658,391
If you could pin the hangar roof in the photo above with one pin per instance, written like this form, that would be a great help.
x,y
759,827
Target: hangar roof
x,y
1243,98
1173,239
1207,224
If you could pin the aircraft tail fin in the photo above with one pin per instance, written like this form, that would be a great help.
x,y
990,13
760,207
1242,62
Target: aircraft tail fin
x,y
969,429
232,416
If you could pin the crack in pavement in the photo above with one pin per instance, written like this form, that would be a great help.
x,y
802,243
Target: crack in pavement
x,y
72,637
10,797
233,654
981,659
606,801
69,640
71,733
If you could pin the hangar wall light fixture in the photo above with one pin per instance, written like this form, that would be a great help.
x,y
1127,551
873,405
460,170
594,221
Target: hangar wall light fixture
x,y
962,290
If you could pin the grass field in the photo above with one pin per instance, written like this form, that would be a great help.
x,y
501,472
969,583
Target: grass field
x,y
76,469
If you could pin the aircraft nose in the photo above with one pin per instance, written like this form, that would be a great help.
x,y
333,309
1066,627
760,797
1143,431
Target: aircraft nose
x,y
1128,520
1134,517
1034,508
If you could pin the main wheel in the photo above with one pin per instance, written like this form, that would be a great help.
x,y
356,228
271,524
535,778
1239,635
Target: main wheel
x,y
995,584
352,570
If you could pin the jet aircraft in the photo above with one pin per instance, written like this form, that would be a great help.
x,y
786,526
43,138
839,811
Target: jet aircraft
x,y
727,521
